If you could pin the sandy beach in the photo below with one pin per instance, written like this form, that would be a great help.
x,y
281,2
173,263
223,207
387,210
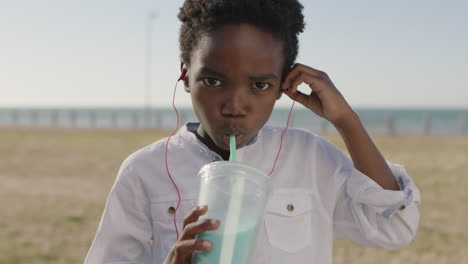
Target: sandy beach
x,y
54,185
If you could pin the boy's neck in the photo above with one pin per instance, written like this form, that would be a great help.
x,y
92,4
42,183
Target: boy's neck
x,y
212,146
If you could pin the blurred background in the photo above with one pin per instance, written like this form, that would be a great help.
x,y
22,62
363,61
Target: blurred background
x,y
85,83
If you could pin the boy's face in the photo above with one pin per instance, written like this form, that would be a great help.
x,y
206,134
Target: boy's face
x,y
234,80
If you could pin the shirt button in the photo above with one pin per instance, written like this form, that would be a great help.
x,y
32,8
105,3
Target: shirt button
x,y
171,210
402,207
216,158
290,207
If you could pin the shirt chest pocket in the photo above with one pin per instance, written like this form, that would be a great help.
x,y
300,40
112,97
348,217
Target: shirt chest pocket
x,y
288,220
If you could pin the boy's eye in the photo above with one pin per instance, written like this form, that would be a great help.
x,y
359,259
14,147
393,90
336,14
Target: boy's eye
x,y
261,86
212,82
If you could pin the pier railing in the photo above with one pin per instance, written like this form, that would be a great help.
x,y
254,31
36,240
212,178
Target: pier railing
x,y
388,123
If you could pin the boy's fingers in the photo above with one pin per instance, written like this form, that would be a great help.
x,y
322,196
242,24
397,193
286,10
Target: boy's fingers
x,y
312,102
296,70
308,69
196,228
298,97
290,77
184,249
195,214
187,247
312,81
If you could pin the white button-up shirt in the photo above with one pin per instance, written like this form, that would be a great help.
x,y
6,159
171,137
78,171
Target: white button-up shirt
x,y
316,194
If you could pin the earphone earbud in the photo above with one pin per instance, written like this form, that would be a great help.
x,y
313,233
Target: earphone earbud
x,y
183,76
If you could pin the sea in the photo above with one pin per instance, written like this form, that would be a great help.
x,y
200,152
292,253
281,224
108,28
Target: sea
x,y
392,121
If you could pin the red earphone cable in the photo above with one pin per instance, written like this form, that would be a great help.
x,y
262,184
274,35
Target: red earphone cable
x,y
182,77
282,135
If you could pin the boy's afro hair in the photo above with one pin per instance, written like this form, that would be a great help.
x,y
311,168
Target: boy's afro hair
x,y
282,18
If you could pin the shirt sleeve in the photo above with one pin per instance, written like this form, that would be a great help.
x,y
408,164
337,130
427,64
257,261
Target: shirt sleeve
x,y
370,215
125,230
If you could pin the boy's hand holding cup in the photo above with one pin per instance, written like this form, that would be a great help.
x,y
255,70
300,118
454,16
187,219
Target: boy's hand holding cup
x,y
181,252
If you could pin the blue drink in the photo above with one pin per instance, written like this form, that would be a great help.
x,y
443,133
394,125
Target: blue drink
x,y
235,194
239,253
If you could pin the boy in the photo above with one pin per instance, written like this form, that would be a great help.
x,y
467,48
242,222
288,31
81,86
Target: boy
x,y
237,60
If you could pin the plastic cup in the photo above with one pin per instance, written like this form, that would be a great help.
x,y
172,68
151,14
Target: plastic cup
x,y
236,195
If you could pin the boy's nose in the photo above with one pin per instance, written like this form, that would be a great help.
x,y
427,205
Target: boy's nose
x,y
235,104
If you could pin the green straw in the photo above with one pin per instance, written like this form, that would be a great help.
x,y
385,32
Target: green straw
x,y
231,224
232,148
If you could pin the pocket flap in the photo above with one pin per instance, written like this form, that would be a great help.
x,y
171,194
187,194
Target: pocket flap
x,y
289,203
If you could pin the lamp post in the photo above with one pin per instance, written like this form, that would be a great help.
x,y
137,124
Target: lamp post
x,y
148,59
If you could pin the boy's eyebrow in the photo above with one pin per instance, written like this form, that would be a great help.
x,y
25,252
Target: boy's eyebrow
x,y
261,77
206,70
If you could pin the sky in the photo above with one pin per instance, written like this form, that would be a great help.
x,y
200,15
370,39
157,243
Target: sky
x,y
91,53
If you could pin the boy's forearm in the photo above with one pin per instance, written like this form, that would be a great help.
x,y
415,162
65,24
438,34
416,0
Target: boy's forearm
x,y
365,155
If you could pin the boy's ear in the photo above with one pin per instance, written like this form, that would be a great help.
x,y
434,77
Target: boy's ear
x,y
279,94
184,76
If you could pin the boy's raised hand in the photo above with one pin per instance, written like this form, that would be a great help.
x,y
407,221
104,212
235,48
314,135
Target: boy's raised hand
x,y
181,252
324,99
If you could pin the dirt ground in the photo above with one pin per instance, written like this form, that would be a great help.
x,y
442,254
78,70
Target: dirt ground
x,y
54,185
